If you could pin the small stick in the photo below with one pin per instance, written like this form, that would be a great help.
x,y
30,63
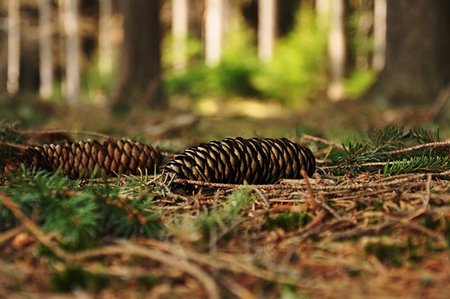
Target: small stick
x,y
314,202
421,146
312,199
238,290
71,132
127,247
14,145
5,236
321,140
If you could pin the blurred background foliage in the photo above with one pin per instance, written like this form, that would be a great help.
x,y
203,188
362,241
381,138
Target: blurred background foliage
x,y
293,86
297,72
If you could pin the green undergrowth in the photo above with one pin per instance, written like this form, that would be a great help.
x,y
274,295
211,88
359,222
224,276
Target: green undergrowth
x,y
79,213
221,220
288,221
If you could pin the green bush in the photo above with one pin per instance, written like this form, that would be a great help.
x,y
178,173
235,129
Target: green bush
x,y
231,77
295,73
298,68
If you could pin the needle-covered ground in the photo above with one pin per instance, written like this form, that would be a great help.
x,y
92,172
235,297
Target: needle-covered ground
x,y
374,221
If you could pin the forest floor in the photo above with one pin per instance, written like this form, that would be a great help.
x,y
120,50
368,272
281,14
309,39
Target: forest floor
x,y
369,234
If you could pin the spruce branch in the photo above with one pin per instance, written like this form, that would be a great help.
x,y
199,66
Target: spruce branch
x,y
32,227
387,147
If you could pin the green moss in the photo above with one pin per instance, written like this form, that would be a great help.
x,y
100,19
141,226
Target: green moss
x,y
74,277
389,254
288,221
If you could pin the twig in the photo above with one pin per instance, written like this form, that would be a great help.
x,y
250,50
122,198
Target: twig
x,y
205,184
126,247
440,238
357,232
438,105
310,227
420,146
412,225
312,199
69,132
238,290
14,145
227,262
5,236
321,140
262,196
426,201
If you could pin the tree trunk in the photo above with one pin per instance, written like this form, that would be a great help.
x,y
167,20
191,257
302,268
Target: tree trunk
x,y
179,33
336,50
139,82
266,29
13,65
363,28
72,48
45,50
213,31
379,35
105,49
323,13
417,52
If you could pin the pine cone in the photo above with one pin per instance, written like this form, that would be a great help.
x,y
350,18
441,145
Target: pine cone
x,y
87,158
255,160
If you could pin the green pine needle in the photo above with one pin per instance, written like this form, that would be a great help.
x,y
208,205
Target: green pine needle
x,y
417,164
380,145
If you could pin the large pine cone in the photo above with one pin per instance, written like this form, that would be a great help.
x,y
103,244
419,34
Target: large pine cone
x,y
92,158
235,160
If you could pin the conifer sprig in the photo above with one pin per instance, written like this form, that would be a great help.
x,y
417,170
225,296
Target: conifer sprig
x,y
401,151
79,214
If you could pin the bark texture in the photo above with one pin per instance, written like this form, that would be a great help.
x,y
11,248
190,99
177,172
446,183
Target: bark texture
x,y
417,52
139,82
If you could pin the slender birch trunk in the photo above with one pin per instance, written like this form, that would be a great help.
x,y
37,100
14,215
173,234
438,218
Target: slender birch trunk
x,y
72,45
179,33
323,13
13,65
213,31
336,50
105,49
379,34
266,29
45,50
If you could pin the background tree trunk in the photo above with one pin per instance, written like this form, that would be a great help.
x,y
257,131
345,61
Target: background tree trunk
x,y
45,50
336,50
139,81
266,29
13,64
379,35
179,33
105,49
417,52
72,47
322,13
214,11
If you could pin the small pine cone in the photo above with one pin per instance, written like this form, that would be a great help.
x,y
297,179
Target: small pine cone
x,y
235,160
92,158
